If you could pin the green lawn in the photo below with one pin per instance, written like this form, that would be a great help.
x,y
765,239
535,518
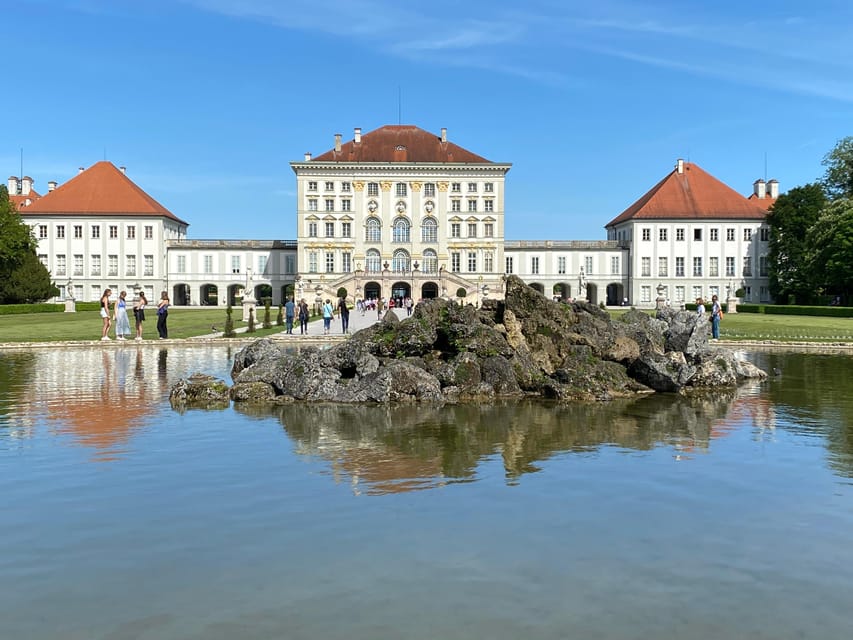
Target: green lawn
x,y
86,325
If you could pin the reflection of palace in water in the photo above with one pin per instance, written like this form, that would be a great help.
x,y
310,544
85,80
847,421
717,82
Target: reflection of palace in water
x,y
392,449
99,397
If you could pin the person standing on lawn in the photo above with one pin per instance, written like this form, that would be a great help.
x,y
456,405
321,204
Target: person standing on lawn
x,y
120,317
105,314
716,313
162,315
139,313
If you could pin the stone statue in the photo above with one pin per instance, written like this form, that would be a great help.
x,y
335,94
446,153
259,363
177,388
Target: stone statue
x,y
582,285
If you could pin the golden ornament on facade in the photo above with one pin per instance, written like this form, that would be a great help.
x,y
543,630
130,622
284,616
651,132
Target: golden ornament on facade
x,y
386,186
358,185
442,186
416,186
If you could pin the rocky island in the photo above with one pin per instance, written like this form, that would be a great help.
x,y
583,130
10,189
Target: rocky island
x,y
524,345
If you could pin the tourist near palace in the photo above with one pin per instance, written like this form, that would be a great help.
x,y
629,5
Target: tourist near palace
x,y
402,212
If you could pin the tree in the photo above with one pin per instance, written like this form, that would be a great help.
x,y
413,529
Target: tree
x,y
831,242
16,237
267,323
790,219
250,328
838,179
229,324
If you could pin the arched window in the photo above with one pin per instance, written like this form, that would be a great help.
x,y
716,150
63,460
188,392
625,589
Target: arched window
x,y
401,230
430,261
429,231
373,261
400,261
373,230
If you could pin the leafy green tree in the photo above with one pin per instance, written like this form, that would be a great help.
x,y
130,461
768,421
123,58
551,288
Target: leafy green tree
x,y
790,219
838,179
267,320
831,242
16,237
29,282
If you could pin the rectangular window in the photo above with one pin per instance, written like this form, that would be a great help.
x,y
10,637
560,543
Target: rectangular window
x,y
455,230
330,261
60,264
96,232
489,229
262,264
472,205
679,293
645,293
588,265
312,229
112,264
95,265
455,187
148,265
561,265
763,294
208,264
697,235
131,233
714,290
330,204
697,267
534,265
78,264
60,231
713,267
330,229
662,235
647,235
472,187
489,205
747,235
472,229
489,262
78,231
663,267
346,204
730,235
730,267
235,264
182,264
312,262
472,262
113,231
130,265
764,234
373,188
697,292
455,205
679,267
346,187
429,190
149,232
346,262
614,265
402,190
762,266
455,261
346,229
645,266
330,186
489,187
747,266
312,204
312,185
714,234
508,264
42,231
290,264
679,235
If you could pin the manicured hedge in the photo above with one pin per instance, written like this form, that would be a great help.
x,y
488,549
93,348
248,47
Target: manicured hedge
x,y
785,310
44,307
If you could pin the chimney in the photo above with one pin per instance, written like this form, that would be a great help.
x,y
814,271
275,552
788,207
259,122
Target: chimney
x,y
51,185
773,188
759,189
444,134
337,143
307,156
13,185
26,185
80,170
123,170
679,166
357,137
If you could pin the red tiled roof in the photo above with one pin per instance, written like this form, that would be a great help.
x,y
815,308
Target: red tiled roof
x,y
693,194
100,190
400,143
765,203
20,201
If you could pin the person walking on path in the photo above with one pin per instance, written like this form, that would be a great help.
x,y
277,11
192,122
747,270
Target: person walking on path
x,y
328,314
162,315
343,309
139,313
716,312
120,317
289,311
303,317
700,307
105,314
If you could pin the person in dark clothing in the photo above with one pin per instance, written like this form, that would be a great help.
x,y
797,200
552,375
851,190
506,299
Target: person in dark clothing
x,y
344,311
162,314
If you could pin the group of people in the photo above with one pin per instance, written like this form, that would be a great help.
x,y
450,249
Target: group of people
x,y
716,314
116,312
299,310
380,305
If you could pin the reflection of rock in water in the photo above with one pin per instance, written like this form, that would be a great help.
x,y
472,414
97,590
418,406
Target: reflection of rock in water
x,y
403,447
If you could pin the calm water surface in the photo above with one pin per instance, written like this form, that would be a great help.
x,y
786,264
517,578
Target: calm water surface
x,y
726,516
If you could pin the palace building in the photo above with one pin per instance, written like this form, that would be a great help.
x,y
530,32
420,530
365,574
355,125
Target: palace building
x,y
402,212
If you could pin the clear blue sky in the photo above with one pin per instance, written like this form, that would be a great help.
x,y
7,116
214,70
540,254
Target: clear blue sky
x,y
206,101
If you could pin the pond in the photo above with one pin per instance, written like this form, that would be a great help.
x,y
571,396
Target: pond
x,y
719,516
